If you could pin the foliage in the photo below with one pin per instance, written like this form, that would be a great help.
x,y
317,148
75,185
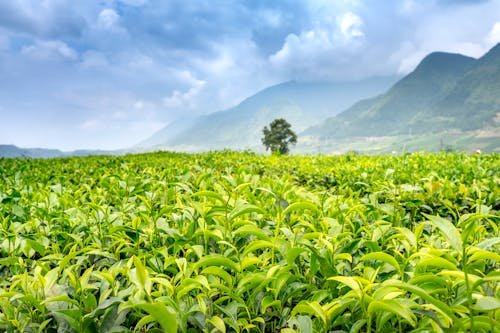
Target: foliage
x,y
278,136
228,241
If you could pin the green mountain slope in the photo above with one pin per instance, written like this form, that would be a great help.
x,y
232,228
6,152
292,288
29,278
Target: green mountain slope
x,y
475,100
446,92
240,127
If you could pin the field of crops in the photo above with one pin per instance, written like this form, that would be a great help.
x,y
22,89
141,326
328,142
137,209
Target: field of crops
x,y
237,242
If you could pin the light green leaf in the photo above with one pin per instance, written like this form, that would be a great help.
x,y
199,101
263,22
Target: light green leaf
x,y
302,205
425,295
217,271
357,326
478,254
303,323
253,230
256,245
37,246
141,275
394,307
18,211
144,321
487,243
353,282
218,323
71,316
487,303
310,307
269,302
244,209
209,194
162,314
216,260
434,261
384,257
449,231
293,253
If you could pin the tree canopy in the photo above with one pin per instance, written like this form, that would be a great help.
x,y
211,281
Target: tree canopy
x,y
278,136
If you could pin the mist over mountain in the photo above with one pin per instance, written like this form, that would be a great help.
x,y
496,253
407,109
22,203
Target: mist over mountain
x,y
446,92
303,104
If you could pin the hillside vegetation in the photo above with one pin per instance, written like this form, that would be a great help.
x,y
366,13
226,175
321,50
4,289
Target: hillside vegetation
x,y
446,92
237,242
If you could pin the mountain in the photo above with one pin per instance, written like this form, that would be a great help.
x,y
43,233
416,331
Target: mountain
x,y
13,151
169,132
301,103
475,100
445,93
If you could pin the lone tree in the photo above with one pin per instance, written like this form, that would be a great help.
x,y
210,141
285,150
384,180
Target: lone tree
x,y
278,136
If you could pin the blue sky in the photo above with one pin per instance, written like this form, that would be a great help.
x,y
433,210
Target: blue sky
x,y
108,73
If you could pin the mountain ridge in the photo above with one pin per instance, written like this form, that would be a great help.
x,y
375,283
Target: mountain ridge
x,y
13,151
440,94
301,103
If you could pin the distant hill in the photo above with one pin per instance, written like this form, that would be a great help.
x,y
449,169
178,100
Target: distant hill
x,y
302,104
12,151
445,93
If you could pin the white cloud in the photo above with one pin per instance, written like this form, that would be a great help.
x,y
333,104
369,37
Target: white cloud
x,y
144,128
271,18
139,105
107,19
351,25
48,50
315,54
119,115
92,125
185,99
234,70
94,59
493,37
135,3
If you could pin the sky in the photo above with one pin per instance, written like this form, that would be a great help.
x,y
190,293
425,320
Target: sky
x,y
107,74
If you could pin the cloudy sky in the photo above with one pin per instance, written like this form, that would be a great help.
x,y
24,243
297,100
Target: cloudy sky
x,y
108,73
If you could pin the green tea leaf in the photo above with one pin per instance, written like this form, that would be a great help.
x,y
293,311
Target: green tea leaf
x,y
426,296
218,323
384,257
252,230
449,231
162,314
216,260
244,209
487,303
209,194
310,307
487,243
72,316
298,206
394,307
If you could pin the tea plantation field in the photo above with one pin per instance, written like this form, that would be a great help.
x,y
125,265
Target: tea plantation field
x,y
238,242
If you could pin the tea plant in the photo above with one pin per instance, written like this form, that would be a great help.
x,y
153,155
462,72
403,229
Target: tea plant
x,y
228,241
